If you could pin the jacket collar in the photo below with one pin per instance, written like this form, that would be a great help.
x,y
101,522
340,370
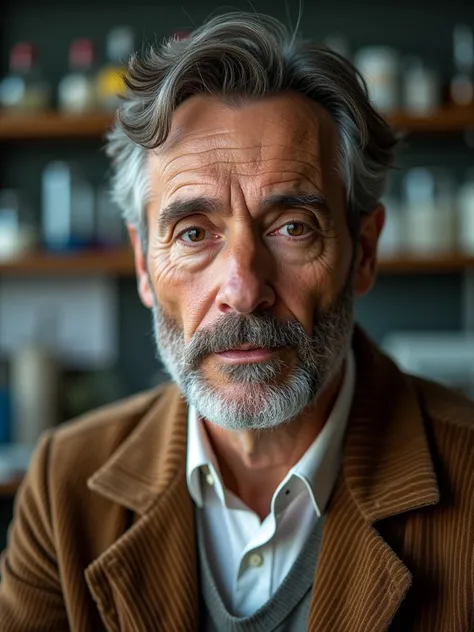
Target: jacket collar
x,y
151,459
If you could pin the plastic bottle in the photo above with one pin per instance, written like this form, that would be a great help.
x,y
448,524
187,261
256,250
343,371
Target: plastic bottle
x,y
77,89
34,379
466,214
429,214
380,67
110,79
421,88
24,88
67,208
462,82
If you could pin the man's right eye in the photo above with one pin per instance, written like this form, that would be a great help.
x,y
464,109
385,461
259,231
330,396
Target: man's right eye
x,y
192,235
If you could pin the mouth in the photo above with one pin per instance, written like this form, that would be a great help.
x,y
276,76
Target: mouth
x,y
248,353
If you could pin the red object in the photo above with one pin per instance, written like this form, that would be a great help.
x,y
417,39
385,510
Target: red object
x,y
22,56
81,53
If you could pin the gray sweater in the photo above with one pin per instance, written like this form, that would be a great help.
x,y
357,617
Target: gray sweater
x,y
286,611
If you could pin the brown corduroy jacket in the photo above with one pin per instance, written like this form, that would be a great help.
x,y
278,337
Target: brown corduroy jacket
x,y
103,535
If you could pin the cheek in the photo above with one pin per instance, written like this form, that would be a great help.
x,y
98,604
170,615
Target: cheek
x,y
309,290
182,295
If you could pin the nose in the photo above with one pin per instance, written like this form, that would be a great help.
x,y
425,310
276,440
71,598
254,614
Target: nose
x,y
245,286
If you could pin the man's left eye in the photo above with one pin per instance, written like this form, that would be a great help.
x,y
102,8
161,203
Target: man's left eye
x,y
295,229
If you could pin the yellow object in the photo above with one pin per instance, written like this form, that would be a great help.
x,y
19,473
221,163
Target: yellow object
x,y
110,85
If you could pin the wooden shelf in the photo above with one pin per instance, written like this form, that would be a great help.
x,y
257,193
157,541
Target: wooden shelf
x,y
448,119
120,263
52,124
10,488
411,264
114,263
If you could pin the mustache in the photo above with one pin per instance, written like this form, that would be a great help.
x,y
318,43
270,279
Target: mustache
x,y
233,330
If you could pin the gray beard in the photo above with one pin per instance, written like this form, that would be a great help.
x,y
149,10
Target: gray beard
x,y
262,402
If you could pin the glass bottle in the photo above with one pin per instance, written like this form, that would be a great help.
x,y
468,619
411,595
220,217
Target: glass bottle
x,y
76,90
421,88
466,214
110,79
67,208
24,88
462,82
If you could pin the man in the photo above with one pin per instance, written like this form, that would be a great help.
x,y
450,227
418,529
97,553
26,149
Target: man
x,y
292,478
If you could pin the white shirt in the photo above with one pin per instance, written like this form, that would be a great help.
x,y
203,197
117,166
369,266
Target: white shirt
x,y
249,558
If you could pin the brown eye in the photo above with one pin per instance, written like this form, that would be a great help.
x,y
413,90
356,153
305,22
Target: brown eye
x,y
295,229
193,235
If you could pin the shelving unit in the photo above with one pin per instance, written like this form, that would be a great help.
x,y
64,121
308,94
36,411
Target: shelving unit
x,y
53,125
44,125
113,263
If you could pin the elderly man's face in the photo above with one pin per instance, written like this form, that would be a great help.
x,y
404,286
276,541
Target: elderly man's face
x,y
249,246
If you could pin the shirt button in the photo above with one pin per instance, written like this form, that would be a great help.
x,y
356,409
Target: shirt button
x,y
255,560
209,479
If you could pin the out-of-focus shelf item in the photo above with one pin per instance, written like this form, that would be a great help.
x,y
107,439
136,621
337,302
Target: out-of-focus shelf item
x,y
114,262
445,120
25,126
8,489
120,263
14,462
53,125
412,264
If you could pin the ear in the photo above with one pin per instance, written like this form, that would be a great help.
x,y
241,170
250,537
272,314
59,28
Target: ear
x,y
144,290
371,226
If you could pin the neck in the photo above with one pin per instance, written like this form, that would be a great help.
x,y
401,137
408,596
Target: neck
x,y
253,463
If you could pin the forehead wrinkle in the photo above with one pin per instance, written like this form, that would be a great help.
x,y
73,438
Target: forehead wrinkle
x,y
261,167
294,177
231,149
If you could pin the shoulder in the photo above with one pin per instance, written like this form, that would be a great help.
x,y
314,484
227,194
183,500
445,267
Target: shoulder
x,y
449,423
446,407
84,444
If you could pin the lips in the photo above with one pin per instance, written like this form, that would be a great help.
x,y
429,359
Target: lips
x,y
247,353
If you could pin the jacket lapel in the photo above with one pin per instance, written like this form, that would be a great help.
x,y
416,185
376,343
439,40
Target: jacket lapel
x,y
387,470
147,579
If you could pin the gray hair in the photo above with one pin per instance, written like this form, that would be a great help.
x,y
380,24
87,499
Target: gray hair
x,y
240,57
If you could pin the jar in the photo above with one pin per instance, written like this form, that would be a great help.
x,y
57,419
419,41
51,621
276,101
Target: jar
x,y
380,68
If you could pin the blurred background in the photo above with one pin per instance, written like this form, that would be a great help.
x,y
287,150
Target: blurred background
x,y
73,334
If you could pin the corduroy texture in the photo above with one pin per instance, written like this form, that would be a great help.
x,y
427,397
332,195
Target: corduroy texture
x,y
103,536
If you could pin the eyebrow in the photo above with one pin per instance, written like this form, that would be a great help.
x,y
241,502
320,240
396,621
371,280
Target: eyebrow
x,y
180,209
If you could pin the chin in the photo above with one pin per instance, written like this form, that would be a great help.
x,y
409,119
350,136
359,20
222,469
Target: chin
x,y
237,405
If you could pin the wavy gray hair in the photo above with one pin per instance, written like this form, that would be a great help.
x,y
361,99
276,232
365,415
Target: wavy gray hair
x,y
238,57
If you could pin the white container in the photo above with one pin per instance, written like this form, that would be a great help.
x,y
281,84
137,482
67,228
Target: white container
x,y
67,207
462,82
430,220
380,67
77,89
17,231
420,88
465,207
34,388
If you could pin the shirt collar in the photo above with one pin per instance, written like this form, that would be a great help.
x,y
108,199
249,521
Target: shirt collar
x,y
318,467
